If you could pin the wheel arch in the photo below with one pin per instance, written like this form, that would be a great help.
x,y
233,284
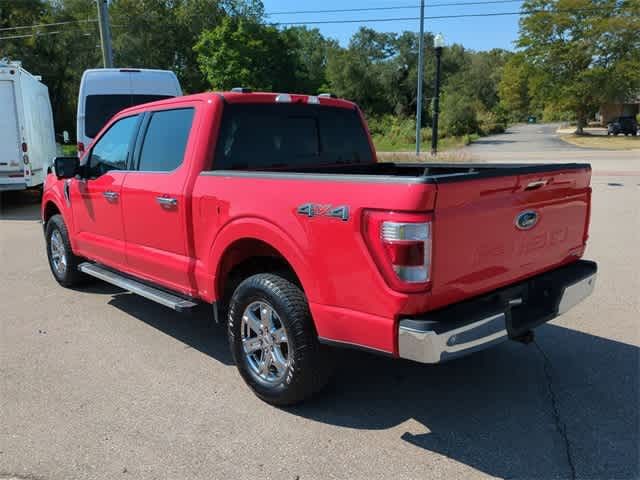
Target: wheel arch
x,y
50,209
251,246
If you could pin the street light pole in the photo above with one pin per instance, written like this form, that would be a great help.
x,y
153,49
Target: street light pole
x,y
420,78
105,33
438,43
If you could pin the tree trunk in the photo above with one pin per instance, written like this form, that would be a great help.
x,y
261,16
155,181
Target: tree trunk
x,y
582,122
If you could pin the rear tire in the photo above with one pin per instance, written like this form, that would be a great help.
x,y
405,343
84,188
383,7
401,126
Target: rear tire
x,y
274,342
62,261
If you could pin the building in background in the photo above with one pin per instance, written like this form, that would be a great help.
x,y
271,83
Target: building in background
x,y
628,108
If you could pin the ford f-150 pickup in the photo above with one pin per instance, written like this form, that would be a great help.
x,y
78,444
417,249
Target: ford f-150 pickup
x,y
274,209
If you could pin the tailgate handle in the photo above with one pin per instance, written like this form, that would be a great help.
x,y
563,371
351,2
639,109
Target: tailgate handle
x,y
536,184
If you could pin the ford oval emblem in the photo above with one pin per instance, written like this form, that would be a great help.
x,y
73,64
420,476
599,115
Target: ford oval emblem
x,y
526,220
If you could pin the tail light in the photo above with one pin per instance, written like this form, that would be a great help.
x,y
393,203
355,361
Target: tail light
x,y
80,147
400,244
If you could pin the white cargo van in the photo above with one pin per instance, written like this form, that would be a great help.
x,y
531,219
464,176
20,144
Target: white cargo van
x,y
106,91
27,138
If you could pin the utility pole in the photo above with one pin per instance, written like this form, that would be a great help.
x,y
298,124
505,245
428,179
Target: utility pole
x,y
438,43
105,33
420,79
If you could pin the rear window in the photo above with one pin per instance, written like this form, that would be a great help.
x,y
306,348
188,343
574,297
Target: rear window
x,y
100,108
262,136
166,140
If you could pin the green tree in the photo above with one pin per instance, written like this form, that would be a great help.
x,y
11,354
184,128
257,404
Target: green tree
x,y
59,55
192,18
513,88
311,51
242,52
144,33
584,52
356,72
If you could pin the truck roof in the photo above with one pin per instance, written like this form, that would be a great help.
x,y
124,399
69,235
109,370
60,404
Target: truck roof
x,y
13,70
249,97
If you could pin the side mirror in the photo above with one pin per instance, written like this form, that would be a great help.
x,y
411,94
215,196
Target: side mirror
x,y
66,167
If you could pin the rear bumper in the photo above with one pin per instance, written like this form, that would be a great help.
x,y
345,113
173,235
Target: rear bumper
x,y
509,312
6,186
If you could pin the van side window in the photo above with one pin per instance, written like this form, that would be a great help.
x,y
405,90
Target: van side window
x,y
165,140
111,150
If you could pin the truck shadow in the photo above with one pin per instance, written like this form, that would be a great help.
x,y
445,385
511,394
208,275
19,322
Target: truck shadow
x,y
195,329
20,205
494,411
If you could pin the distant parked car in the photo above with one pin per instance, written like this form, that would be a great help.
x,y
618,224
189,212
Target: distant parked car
x,y
626,125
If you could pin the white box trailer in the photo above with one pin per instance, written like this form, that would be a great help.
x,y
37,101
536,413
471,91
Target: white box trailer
x,y
27,137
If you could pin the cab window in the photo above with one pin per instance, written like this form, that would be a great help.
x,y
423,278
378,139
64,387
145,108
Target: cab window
x,y
112,149
165,140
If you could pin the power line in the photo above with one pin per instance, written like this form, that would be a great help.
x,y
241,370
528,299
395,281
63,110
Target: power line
x,y
368,20
41,25
39,34
400,7
32,35
440,17
293,12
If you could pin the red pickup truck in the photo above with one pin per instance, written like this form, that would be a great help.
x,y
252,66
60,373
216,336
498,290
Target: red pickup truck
x,y
274,209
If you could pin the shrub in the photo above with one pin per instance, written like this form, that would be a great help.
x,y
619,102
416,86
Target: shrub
x,y
458,114
392,132
490,123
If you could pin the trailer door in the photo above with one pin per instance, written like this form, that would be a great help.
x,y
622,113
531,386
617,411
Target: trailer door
x,y
10,157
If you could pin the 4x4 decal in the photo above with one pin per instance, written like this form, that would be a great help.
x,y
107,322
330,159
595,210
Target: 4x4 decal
x,y
318,210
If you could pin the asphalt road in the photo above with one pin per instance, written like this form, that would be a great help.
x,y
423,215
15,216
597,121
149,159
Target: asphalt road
x,y
97,383
540,143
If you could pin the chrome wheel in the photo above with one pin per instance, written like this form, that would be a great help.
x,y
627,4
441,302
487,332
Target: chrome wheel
x,y
265,343
58,253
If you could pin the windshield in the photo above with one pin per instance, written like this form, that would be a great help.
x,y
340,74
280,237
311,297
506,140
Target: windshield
x,y
100,108
255,136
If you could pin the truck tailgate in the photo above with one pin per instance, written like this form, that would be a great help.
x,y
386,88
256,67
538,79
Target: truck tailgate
x,y
489,232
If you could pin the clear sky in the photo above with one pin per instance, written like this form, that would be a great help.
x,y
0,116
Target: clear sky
x,y
480,33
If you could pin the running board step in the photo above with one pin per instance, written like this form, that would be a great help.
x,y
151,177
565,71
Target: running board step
x,y
167,299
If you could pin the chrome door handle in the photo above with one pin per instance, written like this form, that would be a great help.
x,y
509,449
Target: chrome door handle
x,y
534,185
167,201
109,195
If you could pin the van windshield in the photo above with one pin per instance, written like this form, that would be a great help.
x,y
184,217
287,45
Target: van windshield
x,y
100,108
259,136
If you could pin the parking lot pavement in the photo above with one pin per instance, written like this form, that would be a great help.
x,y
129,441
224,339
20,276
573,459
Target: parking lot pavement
x,y
96,383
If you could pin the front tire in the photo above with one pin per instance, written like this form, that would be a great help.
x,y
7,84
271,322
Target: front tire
x,y
274,342
62,261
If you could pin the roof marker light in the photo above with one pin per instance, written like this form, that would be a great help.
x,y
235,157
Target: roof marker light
x,y
283,98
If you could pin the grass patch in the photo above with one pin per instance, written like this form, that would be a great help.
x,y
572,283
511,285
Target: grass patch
x,y
603,142
449,156
386,144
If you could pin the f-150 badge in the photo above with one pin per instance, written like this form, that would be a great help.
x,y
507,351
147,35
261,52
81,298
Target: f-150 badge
x,y
319,210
